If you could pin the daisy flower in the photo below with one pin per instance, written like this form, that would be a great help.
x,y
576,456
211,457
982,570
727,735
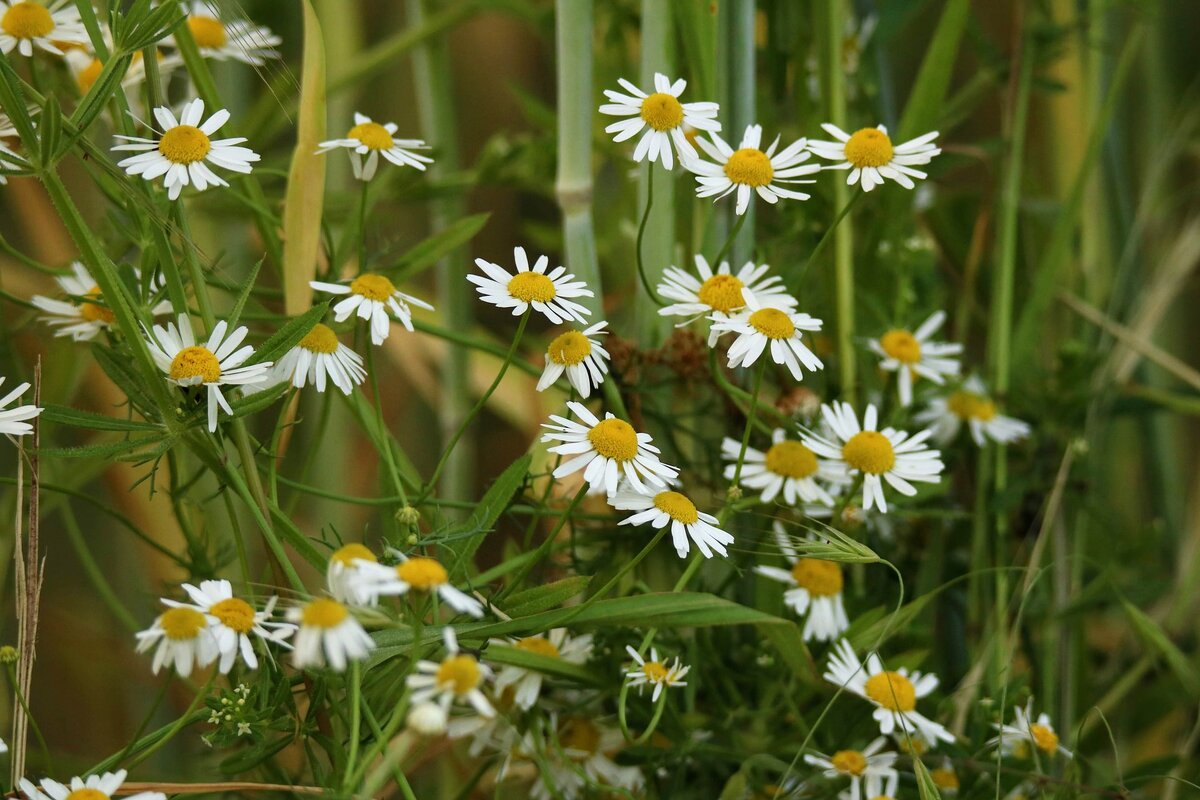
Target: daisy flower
x,y
1015,739
214,364
585,745
82,319
349,576
371,296
583,358
870,155
370,139
328,634
889,454
664,116
945,778
857,765
25,25
548,293
232,621
668,507
877,786
12,420
893,693
653,672
759,325
526,684
422,574
93,787
239,39
456,678
749,169
788,467
182,637
319,358
719,294
86,67
912,355
816,590
971,404
605,450
185,150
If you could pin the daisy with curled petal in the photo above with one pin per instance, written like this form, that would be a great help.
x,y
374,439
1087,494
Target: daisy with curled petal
x,y
913,355
669,507
93,787
185,150
606,450
888,455
893,693
319,358
328,634
549,293
970,404
719,294
232,621
349,576
422,574
1016,739
371,296
816,590
25,25
371,139
877,787
456,678
239,39
788,467
181,637
857,765
13,420
664,116
750,170
526,684
871,157
652,672
83,319
582,358
759,325
214,364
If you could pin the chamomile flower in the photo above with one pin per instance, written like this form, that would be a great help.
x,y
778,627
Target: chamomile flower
x,y
584,745
911,354
372,140
857,765
888,455
788,467
182,638
1026,731
82,319
371,296
871,157
816,590
945,778
718,294
185,149
93,787
669,507
661,115
759,325
750,170
456,678
237,40
970,404
893,693
86,67
421,574
877,787
526,684
349,575
232,621
25,24
214,364
327,634
549,293
606,450
320,358
13,420
652,672
582,358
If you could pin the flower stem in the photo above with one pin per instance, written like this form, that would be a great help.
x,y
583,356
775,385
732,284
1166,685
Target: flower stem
x,y
758,380
641,265
729,240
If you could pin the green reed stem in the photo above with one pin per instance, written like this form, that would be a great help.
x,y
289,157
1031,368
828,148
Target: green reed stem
x,y
31,721
730,239
548,543
758,380
355,721
641,265
826,238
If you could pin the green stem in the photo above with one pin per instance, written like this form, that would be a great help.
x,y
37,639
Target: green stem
x,y
382,431
355,721
641,266
546,545
362,226
621,573
184,720
37,732
827,237
729,240
758,380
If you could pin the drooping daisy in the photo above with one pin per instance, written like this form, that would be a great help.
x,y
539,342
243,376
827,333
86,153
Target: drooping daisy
x,y
526,684
870,155
456,678
583,358
606,450
13,420
1026,731
970,404
183,639
25,25
371,139
750,170
669,507
349,576
912,355
889,454
239,39
718,294
93,787
893,693
318,358
653,672
82,319
421,574
759,325
583,744
232,621
86,68
184,150
371,296
788,467
663,114
214,364
817,590
328,634
549,293
857,765
876,786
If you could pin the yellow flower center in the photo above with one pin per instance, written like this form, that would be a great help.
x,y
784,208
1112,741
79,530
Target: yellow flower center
x,y
892,690
538,644
944,778
750,167
677,507
348,554
87,794
870,452
373,287
324,613
209,33
791,460
96,313
235,614
968,405
662,111
422,573
181,624
459,673
615,439
1045,739
196,361
27,21
902,346
184,144
87,76
321,339
371,134
580,734
820,578
569,348
849,762
869,147
655,671
530,287
722,293
772,323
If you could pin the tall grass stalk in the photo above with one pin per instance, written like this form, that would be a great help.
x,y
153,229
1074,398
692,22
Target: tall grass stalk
x,y
737,24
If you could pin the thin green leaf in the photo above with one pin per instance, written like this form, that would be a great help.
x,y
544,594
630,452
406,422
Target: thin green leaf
x,y
549,665
247,287
77,418
925,786
547,596
1157,640
431,250
925,103
483,518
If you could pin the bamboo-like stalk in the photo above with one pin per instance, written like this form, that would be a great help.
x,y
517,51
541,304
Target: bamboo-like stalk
x,y
739,99
843,252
